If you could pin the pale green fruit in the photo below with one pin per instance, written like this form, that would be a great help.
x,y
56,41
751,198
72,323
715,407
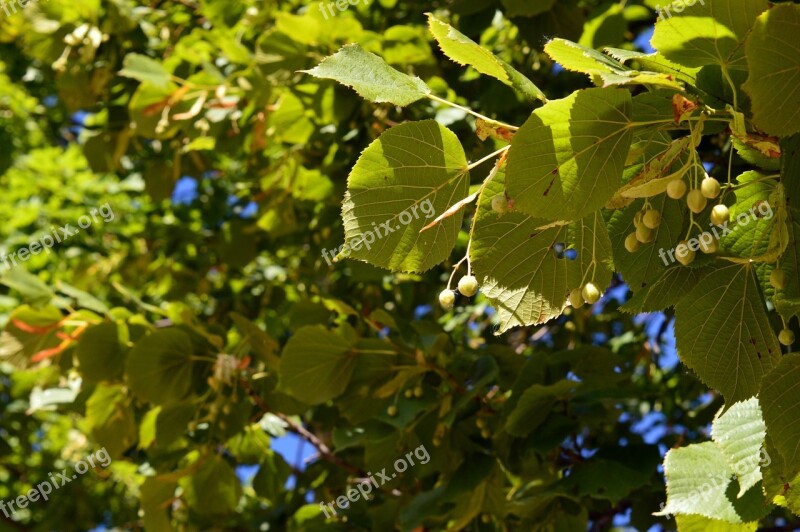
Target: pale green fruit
x,y
710,187
786,337
676,189
709,248
576,298
687,257
591,293
447,299
632,243
720,215
500,204
652,219
644,234
468,285
696,201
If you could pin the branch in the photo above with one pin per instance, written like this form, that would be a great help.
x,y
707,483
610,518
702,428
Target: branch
x,y
324,452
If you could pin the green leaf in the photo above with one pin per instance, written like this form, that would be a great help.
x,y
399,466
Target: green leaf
x,y
614,472
757,230
173,421
673,284
605,25
740,433
465,51
566,161
109,419
214,490
412,173
780,401
698,523
698,477
100,353
708,33
82,298
773,53
159,367
517,267
316,365
157,495
260,342
143,68
535,404
790,169
273,472
250,446
370,76
602,69
787,300
28,285
723,334
147,428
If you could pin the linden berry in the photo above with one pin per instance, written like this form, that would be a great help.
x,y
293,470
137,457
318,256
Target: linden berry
x,y
696,201
720,215
480,423
709,247
676,189
409,393
391,411
786,337
468,285
632,243
684,253
644,234
500,204
418,392
710,187
486,434
652,219
447,299
778,279
637,219
591,293
576,298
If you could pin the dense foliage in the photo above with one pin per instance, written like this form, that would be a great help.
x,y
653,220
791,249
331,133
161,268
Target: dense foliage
x,y
456,235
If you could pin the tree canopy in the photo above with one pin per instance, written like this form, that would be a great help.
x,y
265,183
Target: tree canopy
x,y
482,265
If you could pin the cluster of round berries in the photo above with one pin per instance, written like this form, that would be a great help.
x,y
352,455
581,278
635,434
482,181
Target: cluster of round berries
x,y
647,220
697,200
417,391
467,286
588,293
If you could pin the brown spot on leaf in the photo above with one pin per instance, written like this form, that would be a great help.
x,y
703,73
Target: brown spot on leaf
x,y
547,190
682,106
